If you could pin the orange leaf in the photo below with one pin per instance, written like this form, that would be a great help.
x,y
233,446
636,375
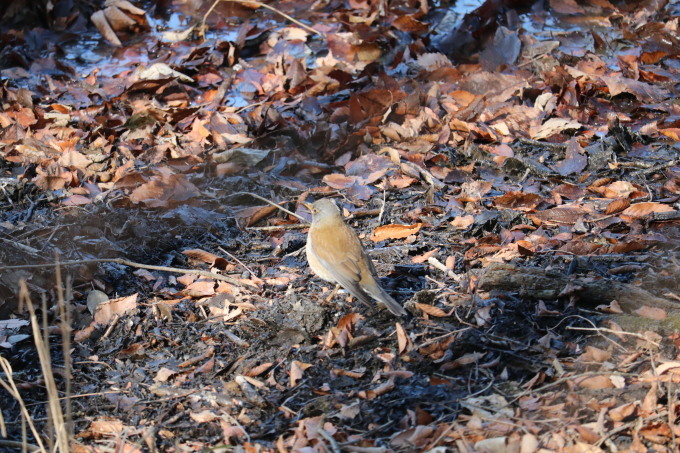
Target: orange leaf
x,y
255,371
639,210
402,339
617,205
672,132
462,222
106,311
297,369
654,313
394,231
594,382
432,311
424,257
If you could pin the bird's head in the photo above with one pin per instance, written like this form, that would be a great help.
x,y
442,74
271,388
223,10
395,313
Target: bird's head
x,y
324,209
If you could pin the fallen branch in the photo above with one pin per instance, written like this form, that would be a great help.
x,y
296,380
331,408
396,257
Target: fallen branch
x,y
258,4
538,283
123,262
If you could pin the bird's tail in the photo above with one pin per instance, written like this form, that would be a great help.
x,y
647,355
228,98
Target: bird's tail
x,y
392,305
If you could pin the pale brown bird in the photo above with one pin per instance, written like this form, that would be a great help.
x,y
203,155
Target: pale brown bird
x,y
335,254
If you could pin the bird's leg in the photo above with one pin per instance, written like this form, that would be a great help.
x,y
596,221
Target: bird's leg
x,y
329,298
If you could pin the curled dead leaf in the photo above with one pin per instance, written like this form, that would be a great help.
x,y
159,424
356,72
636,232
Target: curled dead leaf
x,y
394,231
639,210
297,369
431,310
617,205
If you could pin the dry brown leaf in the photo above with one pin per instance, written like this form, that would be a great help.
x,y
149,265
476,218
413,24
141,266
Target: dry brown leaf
x,y
419,259
203,416
99,21
561,215
349,373
518,201
593,354
297,369
163,374
108,427
594,382
622,412
617,205
574,161
402,339
555,126
619,189
467,359
116,307
657,314
256,371
250,216
431,310
474,191
462,222
639,210
380,390
200,288
394,231
348,321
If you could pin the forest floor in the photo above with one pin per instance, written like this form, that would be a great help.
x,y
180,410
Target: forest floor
x,y
512,167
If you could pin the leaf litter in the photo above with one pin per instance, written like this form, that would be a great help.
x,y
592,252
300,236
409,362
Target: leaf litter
x,y
515,174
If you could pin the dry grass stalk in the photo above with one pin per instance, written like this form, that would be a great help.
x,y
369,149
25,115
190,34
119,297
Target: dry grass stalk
x,y
11,388
54,411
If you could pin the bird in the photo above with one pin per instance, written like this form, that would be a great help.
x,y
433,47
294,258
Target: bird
x,y
335,254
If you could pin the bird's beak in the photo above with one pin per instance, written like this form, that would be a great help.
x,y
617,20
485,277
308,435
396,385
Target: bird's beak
x,y
308,206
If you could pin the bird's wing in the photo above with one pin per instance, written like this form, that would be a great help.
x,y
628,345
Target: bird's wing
x,y
342,261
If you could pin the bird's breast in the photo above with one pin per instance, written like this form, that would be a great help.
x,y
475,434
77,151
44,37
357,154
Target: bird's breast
x,y
314,262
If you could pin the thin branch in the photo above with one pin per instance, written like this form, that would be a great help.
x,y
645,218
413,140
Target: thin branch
x,y
286,226
259,5
123,262
615,332
254,195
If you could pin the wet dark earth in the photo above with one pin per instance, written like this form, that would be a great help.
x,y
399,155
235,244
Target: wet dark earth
x,y
359,378
517,319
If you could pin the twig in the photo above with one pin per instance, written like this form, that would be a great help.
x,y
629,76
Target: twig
x,y
334,445
238,261
11,388
656,168
442,267
615,332
528,141
19,445
65,315
262,5
629,425
287,226
123,262
254,195
54,411
116,317
441,337
382,209
562,380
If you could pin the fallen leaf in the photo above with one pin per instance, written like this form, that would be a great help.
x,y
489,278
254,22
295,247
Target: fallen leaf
x,y
462,222
394,231
431,310
297,369
657,314
639,210
555,126
402,339
115,307
203,416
